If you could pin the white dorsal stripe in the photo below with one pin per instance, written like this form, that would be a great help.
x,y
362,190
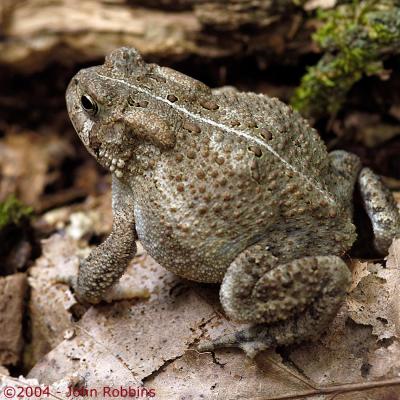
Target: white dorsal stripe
x,y
223,127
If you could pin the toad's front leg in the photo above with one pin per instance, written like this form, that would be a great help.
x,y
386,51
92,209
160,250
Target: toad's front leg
x,y
107,262
291,302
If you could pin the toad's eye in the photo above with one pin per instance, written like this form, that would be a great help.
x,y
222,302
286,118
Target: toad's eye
x,y
89,105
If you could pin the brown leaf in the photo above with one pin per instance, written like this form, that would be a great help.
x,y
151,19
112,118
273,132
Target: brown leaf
x,y
150,342
50,303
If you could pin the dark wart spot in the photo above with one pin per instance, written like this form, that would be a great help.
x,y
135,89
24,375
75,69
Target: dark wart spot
x,y
209,105
191,154
200,174
255,150
219,160
222,182
179,157
266,134
172,98
191,127
202,210
227,197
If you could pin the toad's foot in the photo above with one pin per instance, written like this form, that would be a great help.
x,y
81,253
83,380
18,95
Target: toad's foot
x,y
292,302
70,278
381,209
125,289
251,341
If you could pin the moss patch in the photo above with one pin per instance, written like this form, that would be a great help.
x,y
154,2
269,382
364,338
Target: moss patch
x,y
355,37
12,211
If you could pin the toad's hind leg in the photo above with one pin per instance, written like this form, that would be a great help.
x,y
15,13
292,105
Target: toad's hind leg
x,y
381,209
291,302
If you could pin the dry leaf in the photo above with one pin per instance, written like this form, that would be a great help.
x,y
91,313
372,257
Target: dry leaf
x,y
150,342
50,303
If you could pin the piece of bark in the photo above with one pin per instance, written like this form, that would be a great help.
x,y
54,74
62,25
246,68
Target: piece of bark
x,y
36,33
170,4
12,300
232,15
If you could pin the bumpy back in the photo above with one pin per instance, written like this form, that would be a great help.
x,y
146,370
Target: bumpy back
x,y
293,145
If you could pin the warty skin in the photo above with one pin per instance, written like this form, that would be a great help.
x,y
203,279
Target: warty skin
x,y
223,186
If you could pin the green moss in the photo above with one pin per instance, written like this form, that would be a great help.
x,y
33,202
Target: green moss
x,y
299,3
355,38
12,211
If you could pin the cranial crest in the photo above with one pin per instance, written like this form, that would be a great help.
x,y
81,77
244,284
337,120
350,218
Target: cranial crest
x,y
123,61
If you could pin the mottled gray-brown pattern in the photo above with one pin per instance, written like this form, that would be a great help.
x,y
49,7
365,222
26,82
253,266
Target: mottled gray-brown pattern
x,y
222,186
